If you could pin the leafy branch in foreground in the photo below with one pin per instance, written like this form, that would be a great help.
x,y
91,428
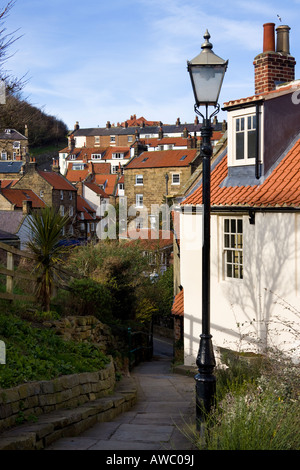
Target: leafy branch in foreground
x,y
45,244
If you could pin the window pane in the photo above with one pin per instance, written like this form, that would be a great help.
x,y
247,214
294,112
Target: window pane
x,y
251,144
240,226
242,124
233,225
226,241
239,241
240,146
226,225
229,270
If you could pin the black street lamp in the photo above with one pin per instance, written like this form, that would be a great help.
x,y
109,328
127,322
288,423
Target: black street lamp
x,y
207,72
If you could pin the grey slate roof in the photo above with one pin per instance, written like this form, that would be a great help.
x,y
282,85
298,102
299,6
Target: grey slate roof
x,y
11,221
167,129
11,135
7,166
7,236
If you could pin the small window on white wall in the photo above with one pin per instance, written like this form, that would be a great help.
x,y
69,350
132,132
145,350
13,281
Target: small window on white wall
x,y
233,248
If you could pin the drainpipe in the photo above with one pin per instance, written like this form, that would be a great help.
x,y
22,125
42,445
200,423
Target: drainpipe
x,y
257,170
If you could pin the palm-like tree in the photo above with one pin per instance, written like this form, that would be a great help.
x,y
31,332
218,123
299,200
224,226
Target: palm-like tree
x,y
46,234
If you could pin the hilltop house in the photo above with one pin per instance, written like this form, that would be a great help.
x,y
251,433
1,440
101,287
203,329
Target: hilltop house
x,y
125,134
13,145
95,159
255,219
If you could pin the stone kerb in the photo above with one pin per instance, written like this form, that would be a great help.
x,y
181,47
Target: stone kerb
x,y
28,401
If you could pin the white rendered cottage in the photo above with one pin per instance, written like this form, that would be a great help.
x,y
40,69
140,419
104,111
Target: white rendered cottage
x,y
255,221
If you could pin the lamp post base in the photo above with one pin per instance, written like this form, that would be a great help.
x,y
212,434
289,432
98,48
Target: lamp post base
x,y
205,380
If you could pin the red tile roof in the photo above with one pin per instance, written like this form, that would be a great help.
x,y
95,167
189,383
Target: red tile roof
x,y
89,168
109,182
110,150
163,159
280,90
17,196
280,189
56,180
178,304
84,207
94,187
8,183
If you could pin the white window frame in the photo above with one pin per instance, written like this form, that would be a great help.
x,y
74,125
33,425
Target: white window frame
x,y
71,211
61,195
233,248
16,145
78,166
118,156
62,210
112,138
232,117
173,180
139,180
139,200
96,156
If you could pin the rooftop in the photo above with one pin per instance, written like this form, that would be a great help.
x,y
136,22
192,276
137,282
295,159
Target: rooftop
x,y
163,159
280,188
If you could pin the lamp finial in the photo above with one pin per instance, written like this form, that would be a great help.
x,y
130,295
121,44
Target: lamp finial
x,y
206,44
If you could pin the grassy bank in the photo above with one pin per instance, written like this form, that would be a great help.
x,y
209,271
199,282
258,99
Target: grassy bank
x,y
36,353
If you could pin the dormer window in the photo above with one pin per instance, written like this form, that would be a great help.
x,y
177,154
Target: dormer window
x,y
96,156
245,136
78,166
118,155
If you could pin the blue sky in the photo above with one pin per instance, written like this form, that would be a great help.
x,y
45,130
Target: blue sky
x,y
94,61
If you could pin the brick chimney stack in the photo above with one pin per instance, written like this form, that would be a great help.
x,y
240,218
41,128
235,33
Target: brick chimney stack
x,y
272,67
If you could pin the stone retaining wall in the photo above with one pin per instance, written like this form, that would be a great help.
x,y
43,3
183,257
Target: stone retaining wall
x,y
83,328
28,401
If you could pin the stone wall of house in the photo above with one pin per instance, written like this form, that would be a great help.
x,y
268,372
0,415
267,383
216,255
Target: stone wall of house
x,y
153,188
30,400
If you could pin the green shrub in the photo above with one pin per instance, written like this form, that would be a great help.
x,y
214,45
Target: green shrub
x,y
39,354
92,298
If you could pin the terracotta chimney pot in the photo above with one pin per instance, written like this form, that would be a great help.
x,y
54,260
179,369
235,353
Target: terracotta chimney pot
x,y
269,37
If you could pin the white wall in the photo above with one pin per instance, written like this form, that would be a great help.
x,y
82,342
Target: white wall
x,y
254,312
24,233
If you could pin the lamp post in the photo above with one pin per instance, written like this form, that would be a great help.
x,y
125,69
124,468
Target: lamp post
x,y
207,72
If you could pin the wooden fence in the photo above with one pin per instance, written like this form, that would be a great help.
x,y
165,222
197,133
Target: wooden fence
x,y
11,274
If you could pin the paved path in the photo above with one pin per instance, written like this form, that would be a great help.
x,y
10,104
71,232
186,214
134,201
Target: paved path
x,y
165,407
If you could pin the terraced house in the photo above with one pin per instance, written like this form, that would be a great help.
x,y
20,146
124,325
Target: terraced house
x,y
154,178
